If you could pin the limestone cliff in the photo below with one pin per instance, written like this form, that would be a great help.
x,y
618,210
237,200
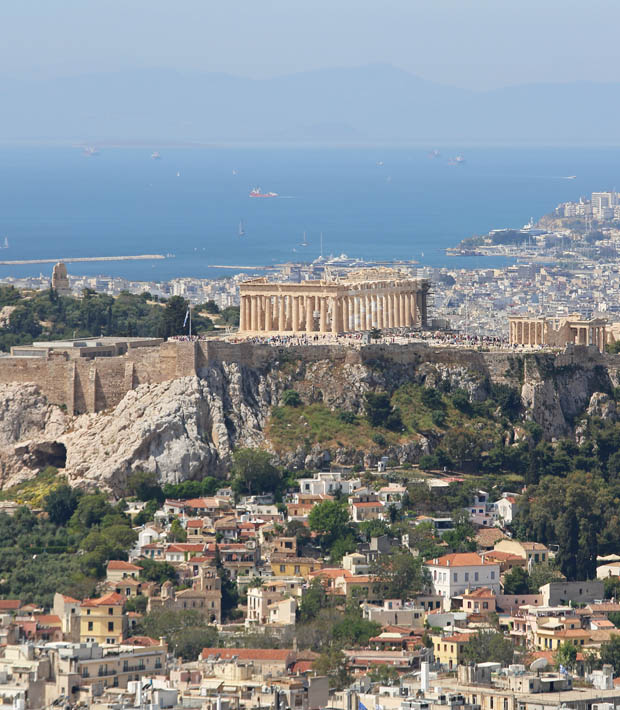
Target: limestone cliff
x,y
186,428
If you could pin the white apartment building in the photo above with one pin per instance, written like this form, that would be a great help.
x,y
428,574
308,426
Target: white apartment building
x,y
328,483
456,573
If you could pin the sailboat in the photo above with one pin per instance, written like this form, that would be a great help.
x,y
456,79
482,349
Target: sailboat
x,y
5,244
304,243
241,228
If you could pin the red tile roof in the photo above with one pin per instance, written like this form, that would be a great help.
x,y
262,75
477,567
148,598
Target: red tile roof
x,y
111,599
459,559
10,604
122,565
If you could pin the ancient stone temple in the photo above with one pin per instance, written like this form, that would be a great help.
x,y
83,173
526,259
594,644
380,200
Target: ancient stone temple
x,y
60,280
558,332
366,299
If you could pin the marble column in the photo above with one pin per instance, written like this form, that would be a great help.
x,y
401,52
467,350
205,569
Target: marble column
x,y
280,312
242,325
407,299
356,313
295,314
345,313
323,312
309,314
269,314
380,312
368,314
253,313
336,315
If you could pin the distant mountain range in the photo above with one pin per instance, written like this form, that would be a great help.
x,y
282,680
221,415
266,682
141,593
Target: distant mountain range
x,y
365,105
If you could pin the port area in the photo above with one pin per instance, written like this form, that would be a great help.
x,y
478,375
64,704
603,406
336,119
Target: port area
x,y
67,260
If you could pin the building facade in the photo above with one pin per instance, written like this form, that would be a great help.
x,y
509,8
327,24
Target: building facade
x,y
369,298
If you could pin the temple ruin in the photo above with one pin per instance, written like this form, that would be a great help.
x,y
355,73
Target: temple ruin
x,y
370,298
558,332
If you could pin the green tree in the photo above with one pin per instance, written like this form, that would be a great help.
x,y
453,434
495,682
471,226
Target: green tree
x,y
187,632
379,411
144,485
155,571
517,581
173,321
330,519
177,532
253,472
383,674
400,575
60,503
291,398
489,646
610,653
333,663
313,600
566,655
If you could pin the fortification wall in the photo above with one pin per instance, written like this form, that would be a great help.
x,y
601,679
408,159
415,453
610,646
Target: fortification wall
x,y
84,385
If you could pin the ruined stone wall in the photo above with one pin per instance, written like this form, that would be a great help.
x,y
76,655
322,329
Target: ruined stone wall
x,y
84,385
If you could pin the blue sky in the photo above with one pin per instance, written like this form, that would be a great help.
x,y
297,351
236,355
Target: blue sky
x,y
477,44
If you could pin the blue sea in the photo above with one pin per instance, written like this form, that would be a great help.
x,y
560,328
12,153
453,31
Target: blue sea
x,y
369,203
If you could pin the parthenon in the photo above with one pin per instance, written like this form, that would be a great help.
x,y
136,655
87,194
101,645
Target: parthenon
x,y
558,332
368,298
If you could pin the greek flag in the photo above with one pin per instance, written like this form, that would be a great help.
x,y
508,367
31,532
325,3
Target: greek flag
x,y
361,706
186,317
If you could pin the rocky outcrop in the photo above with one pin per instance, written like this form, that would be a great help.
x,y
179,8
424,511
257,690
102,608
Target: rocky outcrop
x,y
29,427
188,427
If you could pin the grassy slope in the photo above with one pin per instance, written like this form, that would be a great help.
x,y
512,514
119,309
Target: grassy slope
x,y
288,427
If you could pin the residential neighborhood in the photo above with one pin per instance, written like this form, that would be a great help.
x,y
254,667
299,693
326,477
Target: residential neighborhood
x,y
337,593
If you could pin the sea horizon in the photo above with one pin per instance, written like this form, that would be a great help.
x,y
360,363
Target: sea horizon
x,y
375,203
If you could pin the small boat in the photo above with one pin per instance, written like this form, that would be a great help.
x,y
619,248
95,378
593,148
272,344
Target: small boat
x,y
156,156
304,243
434,154
380,163
256,192
241,228
570,177
234,172
178,174
458,160
88,151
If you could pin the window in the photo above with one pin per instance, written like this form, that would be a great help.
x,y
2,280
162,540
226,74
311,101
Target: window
x,y
475,576
110,611
90,625
492,575
467,576
297,569
456,577
485,605
492,702
282,568
110,626
505,703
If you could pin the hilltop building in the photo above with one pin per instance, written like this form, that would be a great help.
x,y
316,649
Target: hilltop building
x,y
370,298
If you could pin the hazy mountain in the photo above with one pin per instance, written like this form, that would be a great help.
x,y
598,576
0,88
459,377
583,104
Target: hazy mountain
x,y
376,103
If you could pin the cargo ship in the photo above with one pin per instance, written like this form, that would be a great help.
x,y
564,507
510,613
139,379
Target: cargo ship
x,y
256,192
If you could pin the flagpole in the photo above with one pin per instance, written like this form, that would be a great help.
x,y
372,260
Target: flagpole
x,y
190,320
